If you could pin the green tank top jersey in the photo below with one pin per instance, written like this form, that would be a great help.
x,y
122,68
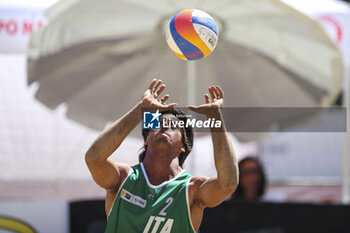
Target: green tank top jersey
x,y
141,207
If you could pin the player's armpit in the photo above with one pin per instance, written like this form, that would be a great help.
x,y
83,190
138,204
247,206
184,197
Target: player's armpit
x,y
208,191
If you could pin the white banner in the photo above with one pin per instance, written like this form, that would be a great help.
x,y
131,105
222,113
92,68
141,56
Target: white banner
x,y
333,15
18,19
15,28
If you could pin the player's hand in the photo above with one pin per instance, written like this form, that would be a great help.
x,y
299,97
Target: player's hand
x,y
211,106
151,95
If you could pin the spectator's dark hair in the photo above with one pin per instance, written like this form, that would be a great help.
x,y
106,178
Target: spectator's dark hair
x,y
239,193
187,137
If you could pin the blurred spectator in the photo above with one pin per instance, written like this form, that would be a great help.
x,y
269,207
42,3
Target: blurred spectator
x,y
252,182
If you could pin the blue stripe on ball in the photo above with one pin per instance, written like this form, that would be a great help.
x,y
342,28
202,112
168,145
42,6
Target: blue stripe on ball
x,y
207,22
190,51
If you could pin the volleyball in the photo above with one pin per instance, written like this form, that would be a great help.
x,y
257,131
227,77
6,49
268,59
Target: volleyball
x,y
192,34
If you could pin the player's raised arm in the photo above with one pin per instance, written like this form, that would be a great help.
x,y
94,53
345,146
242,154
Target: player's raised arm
x,y
105,172
212,191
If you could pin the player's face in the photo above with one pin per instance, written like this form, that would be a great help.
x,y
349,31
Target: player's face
x,y
169,133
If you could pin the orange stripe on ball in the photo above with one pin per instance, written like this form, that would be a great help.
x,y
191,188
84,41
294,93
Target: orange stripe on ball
x,y
184,26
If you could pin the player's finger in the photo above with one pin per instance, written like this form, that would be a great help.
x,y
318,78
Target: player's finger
x,y
216,93
164,98
207,99
211,92
152,84
156,85
220,91
172,105
162,87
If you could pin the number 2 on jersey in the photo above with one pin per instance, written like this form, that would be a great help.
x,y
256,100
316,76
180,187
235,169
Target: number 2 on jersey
x,y
169,201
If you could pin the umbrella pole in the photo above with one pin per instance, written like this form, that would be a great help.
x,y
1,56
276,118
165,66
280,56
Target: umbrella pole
x,y
346,151
191,99
191,82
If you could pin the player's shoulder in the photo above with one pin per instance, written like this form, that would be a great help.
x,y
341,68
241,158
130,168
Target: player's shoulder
x,y
197,181
134,171
124,168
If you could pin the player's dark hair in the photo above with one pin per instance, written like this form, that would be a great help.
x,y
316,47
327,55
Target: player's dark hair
x,y
187,136
239,193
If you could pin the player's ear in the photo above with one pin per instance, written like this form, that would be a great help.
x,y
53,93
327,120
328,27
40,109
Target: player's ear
x,y
182,149
145,143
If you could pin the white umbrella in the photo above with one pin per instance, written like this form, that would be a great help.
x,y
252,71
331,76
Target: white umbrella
x,y
98,57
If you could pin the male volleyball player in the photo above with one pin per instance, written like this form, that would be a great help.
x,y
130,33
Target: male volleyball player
x,y
157,195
